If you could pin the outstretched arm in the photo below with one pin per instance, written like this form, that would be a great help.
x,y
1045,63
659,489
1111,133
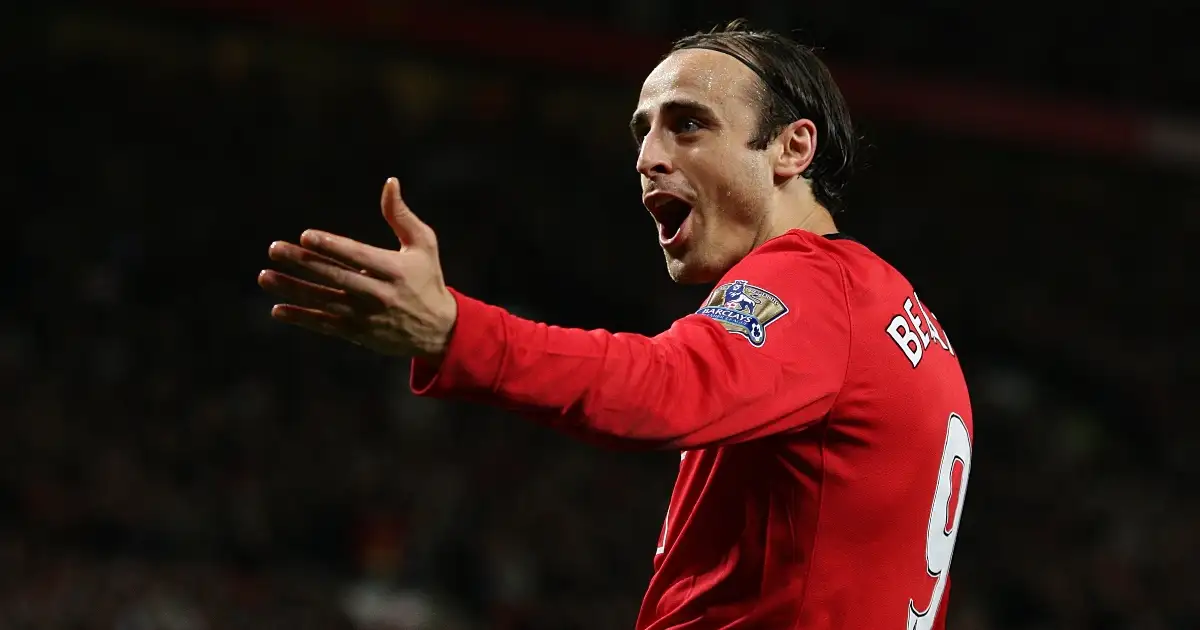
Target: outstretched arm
x,y
702,382
767,354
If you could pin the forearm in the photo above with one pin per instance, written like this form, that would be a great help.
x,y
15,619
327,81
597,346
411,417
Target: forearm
x,y
617,390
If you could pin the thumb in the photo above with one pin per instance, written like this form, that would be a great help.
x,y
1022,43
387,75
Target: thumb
x,y
411,231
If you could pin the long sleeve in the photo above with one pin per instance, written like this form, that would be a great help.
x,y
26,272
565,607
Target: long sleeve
x,y
766,354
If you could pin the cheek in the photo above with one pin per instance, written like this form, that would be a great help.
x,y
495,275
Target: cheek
x,y
743,183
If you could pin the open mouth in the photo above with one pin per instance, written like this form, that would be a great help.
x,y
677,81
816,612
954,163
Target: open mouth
x,y
671,215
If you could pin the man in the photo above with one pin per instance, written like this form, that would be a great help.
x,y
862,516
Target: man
x,y
821,416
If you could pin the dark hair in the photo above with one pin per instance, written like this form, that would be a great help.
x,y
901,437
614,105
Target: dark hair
x,y
796,84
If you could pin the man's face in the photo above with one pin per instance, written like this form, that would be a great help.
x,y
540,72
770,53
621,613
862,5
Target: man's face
x,y
705,187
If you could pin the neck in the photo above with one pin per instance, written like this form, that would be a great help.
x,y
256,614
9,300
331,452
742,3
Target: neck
x,y
800,214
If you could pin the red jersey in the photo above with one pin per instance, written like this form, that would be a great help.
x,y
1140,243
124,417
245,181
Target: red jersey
x,y
823,425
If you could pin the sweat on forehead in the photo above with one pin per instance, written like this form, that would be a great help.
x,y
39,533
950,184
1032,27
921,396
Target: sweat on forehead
x,y
699,74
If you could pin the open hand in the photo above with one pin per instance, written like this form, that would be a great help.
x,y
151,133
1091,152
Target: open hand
x,y
393,302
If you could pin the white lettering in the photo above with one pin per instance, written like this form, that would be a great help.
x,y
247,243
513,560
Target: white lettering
x,y
933,331
906,339
916,322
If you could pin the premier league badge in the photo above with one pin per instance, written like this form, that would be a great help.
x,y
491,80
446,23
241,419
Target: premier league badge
x,y
744,309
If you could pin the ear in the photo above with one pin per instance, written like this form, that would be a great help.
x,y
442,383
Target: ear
x,y
797,148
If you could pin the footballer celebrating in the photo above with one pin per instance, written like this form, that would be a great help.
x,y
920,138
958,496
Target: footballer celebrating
x,y
817,404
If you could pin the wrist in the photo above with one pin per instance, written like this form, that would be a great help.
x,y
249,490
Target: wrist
x,y
469,356
445,320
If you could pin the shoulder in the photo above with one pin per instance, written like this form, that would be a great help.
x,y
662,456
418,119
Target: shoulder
x,y
862,274
808,262
788,280
795,257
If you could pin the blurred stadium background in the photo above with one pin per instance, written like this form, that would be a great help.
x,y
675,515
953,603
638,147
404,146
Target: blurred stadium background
x,y
172,460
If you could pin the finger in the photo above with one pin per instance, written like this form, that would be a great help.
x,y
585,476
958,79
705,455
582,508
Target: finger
x,y
312,319
303,293
411,231
332,261
328,272
283,251
291,256
377,261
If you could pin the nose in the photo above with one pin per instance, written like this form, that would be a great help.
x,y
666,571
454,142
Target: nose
x,y
653,157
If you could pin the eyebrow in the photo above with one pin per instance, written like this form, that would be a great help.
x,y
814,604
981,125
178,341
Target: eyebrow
x,y
641,118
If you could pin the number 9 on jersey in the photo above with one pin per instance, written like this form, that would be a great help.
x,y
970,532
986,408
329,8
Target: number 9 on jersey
x,y
944,516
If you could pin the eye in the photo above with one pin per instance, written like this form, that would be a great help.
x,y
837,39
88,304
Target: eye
x,y
688,125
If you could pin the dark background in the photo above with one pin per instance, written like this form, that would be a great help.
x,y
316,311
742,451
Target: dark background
x,y
172,459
